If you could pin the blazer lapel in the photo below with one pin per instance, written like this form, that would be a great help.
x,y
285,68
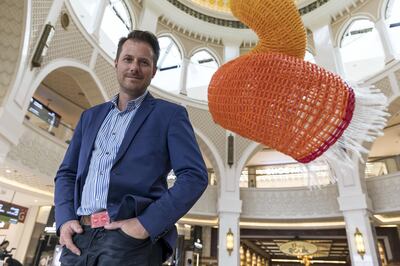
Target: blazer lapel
x,y
144,110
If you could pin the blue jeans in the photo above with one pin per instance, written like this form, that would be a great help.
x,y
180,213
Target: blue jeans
x,y
101,247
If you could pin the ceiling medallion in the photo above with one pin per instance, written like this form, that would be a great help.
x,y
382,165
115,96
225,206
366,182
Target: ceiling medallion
x,y
298,248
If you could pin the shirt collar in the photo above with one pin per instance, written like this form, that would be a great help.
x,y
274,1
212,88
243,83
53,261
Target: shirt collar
x,y
132,104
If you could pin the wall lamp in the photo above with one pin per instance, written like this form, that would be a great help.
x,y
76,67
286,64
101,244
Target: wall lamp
x,y
229,241
43,45
230,150
359,239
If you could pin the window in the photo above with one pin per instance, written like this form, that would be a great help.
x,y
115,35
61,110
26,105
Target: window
x,y
116,23
361,50
169,66
201,68
86,12
392,16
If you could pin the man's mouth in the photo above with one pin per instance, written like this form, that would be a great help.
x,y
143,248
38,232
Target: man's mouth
x,y
133,77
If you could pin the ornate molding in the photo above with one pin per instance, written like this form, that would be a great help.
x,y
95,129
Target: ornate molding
x,y
384,192
235,23
295,203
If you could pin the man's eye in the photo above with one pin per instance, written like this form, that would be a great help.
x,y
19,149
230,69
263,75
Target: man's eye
x,y
144,63
127,60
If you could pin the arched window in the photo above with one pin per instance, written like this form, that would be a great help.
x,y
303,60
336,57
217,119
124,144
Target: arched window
x,y
309,57
361,50
392,16
169,66
86,12
200,70
116,23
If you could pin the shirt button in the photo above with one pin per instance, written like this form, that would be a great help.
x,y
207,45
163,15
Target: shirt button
x,y
113,133
101,173
107,153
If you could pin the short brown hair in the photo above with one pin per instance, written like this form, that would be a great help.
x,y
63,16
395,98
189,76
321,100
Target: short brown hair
x,y
141,36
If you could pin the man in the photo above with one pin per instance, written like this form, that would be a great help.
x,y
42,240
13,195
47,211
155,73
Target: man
x,y
113,206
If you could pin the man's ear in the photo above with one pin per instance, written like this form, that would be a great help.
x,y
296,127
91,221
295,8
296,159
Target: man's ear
x,y
155,71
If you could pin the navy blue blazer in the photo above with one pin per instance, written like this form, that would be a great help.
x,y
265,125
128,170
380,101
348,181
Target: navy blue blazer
x,y
159,138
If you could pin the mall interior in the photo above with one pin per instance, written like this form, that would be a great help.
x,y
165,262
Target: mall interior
x,y
57,60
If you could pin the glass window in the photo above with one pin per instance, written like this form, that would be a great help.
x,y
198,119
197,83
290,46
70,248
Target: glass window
x,y
200,70
86,12
244,179
393,21
309,57
361,50
116,23
169,66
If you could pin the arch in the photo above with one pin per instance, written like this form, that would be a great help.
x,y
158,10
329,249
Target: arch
x,y
383,7
176,40
169,65
361,48
392,22
86,20
207,49
209,147
108,36
203,64
64,63
252,149
346,24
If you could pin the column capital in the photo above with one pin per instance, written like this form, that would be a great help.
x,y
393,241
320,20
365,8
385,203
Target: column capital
x,y
354,202
226,205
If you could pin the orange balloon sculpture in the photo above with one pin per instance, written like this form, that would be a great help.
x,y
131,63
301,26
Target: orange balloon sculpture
x,y
272,96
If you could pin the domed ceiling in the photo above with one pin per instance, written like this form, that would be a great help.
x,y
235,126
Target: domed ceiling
x,y
222,7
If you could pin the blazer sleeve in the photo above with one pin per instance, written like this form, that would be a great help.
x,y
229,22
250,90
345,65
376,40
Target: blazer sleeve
x,y
191,178
65,180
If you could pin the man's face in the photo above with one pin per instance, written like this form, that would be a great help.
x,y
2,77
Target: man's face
x,y
135,67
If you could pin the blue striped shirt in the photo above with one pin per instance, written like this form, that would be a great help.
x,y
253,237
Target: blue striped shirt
x,y
106,146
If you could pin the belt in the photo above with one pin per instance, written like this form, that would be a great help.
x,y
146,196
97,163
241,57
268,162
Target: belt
x,y
85,220
95,220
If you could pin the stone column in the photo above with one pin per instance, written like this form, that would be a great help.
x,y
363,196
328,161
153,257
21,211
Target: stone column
x,y
388,50
229,209
183,78
357,211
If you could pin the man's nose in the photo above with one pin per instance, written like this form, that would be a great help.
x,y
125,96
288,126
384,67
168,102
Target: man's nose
x,y
134,66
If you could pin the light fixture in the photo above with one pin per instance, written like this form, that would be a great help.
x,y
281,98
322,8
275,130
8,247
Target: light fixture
x,y
229,241
230,150
359,239
43,45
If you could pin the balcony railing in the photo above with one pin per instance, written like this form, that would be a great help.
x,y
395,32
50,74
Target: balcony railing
x,y
62,131
382,166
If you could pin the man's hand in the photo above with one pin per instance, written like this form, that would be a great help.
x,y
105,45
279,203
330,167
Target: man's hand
x,y
131,227
67,230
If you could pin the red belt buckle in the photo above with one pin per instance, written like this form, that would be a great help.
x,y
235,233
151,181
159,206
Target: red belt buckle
x,y
99,219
